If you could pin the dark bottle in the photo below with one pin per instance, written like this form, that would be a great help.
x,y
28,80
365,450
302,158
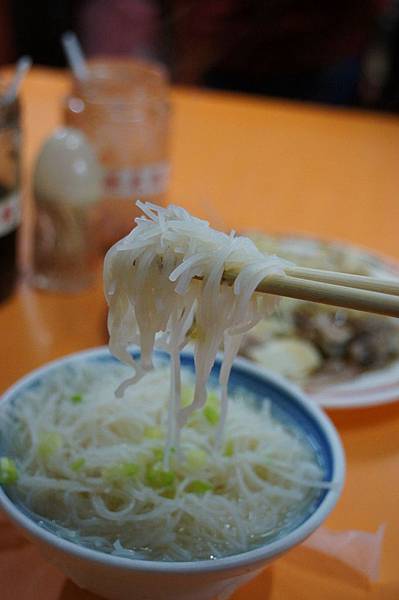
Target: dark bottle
x,y
9,193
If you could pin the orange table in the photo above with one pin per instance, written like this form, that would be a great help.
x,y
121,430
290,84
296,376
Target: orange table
x,y
242,163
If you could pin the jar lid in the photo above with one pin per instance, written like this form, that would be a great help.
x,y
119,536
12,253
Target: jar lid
x,y
123,81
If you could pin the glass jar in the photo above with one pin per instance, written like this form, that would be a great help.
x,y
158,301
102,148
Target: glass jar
x,y
123,108
10,204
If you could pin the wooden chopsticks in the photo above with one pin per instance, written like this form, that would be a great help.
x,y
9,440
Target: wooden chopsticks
x,y
386,286
358,292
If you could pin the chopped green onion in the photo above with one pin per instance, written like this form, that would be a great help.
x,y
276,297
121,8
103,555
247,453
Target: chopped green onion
x,y
199,487
157,477
77,398
154,433
213,400
169,492
229,448
119,473
77,464
212,415
195,333
49,442
187,396
212,409
158,454
8,471
129,469
196,459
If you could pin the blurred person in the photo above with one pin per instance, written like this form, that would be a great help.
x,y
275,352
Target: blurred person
x,y
379,83
120,27
303,49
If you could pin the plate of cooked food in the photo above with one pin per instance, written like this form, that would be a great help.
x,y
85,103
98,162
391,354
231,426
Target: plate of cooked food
x,y
342,358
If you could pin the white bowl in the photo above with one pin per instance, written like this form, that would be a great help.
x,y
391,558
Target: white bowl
x,y
119,578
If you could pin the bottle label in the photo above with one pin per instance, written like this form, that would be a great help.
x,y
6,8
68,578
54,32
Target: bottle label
x,y
10,213
142,181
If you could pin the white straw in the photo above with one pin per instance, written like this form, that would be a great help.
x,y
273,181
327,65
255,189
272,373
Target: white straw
x,y
74,55
23,66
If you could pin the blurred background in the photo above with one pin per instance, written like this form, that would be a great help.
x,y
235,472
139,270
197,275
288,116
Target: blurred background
x,y
344,52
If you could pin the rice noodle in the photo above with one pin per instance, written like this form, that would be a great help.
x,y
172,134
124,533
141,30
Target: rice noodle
x,y
94,485
155,301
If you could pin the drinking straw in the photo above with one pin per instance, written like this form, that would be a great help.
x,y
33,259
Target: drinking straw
x,y
23,66
74,54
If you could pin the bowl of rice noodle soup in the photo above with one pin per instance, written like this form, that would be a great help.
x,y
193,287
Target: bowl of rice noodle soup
x,y
158,467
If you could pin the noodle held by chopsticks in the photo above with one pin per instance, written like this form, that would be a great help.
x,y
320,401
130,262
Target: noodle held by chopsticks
x,y
155,301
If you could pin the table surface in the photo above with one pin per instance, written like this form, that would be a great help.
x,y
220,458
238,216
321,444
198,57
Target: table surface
x,y
242,163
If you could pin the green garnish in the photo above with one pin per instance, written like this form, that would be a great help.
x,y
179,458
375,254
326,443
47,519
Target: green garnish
x,y
129,469
8,471
77,464
195,333
158,454
153,433
229,448
157,477
212,415
169,493
119,473
77,398
196,459
49,442
187,396
211,409
199,487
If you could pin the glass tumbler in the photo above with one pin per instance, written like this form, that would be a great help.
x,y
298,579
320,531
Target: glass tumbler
x,y
123,108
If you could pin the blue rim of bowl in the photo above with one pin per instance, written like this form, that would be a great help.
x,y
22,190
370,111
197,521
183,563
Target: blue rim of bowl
x,y
310,416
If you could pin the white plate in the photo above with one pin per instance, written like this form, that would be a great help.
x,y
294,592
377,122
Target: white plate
x,y
368,389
